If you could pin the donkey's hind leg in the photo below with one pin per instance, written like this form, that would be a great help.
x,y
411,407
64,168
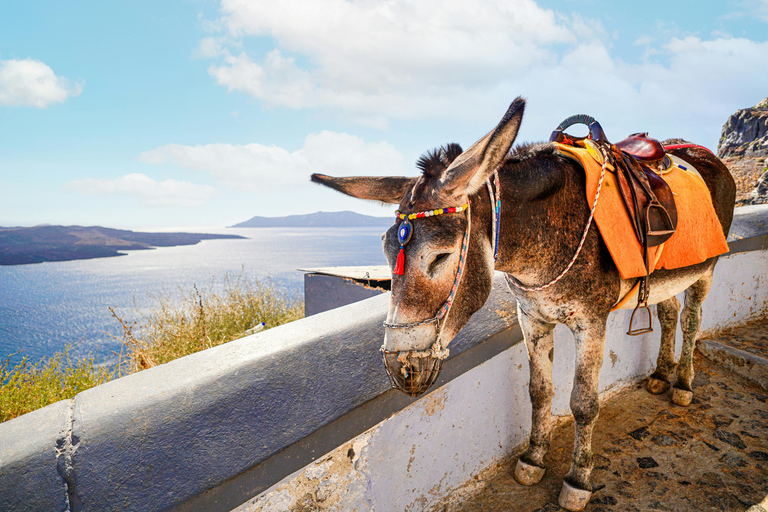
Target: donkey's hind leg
x,y
690,320
539,341
660,380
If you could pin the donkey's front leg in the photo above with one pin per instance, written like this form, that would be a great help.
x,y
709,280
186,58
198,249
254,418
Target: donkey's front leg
x,y
589,335
539,341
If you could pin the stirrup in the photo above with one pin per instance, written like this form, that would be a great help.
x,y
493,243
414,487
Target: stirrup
x,y
642,330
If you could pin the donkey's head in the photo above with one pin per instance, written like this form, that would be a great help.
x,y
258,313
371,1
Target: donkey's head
x,y
445,268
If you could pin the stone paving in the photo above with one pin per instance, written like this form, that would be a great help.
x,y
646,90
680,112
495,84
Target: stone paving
x,y
651,455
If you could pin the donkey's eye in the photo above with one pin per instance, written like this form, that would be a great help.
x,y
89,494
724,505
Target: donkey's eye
x,y
437,261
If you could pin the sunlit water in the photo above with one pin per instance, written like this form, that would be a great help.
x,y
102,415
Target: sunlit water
x,y
44,307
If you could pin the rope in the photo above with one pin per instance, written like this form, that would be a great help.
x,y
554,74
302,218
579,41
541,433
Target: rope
x,y
495,212
581,243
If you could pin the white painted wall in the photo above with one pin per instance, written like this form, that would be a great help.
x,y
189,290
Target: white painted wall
x,y
421,454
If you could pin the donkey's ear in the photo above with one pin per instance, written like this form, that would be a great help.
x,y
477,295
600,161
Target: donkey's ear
x,y
474,166
385,189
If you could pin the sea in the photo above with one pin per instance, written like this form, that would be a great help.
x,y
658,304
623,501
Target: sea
x,y
46,307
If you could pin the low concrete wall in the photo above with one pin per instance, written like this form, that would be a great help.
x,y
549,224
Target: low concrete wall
x,y
323,292
212,430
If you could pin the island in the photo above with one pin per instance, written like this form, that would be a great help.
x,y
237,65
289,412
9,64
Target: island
x,y
23,245
345,219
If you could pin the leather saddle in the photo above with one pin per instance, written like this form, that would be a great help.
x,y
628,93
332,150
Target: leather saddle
x,y
647,197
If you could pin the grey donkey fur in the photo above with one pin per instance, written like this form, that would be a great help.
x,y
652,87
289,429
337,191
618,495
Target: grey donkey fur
x,y
544,213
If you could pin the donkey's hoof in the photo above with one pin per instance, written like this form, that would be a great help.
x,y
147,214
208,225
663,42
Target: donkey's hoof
x,y
572,498
656,386
528,474
681,397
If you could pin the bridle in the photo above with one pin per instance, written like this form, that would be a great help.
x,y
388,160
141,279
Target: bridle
x,y
405,225
418,358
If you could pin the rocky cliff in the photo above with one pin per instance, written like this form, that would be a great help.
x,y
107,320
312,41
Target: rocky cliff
x,y
743,148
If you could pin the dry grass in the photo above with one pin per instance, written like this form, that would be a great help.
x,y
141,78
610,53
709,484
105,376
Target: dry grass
x,y
27,387
201,320
177,327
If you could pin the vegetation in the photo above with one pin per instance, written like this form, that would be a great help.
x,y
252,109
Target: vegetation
x,y
27,387
203,320
177,327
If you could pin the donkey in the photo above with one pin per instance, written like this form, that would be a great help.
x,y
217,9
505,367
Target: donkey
x,y
545,211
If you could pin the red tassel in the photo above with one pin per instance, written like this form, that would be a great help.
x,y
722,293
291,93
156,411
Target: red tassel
x,y
400,266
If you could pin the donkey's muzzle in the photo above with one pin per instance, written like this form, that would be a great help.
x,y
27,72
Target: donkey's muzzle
x,y
411,371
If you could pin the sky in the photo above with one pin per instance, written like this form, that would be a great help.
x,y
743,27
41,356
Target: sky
x,y
189,113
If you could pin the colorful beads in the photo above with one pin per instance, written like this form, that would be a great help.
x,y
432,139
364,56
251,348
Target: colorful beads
x,y
431,213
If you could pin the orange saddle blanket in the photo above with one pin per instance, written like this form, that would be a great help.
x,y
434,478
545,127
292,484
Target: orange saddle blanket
x,y
699,235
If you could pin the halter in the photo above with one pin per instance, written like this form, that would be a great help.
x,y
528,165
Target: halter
x,y
404,236
404,233
419,363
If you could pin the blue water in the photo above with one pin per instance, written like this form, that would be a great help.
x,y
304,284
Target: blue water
x,y
44,307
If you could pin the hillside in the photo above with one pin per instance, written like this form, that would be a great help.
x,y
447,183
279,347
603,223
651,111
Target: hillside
x,y
64,243
345,219
743,148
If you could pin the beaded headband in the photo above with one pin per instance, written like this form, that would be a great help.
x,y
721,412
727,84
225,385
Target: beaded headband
x,y
405,230
430,213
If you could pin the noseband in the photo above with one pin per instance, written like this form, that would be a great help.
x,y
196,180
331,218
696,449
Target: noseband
x,y
410,359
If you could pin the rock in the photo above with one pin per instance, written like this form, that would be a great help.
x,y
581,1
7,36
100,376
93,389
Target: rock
x,y
733,460
647,463
743,148
760,194
710,480
605,500
745,133
721,420
730,438
663,440
639,434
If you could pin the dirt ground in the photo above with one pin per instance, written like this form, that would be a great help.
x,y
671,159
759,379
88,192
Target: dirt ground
x,y
651,455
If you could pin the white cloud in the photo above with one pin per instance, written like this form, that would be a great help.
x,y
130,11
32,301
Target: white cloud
x,y
403,58
751,9
259,168
150,192
458,60
30,83
278,80
212,46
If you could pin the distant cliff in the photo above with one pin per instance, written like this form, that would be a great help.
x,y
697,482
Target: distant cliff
x,y
743,147
37,244
343,219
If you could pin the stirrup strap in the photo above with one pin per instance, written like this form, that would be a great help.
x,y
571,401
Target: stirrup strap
x,y
642,298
